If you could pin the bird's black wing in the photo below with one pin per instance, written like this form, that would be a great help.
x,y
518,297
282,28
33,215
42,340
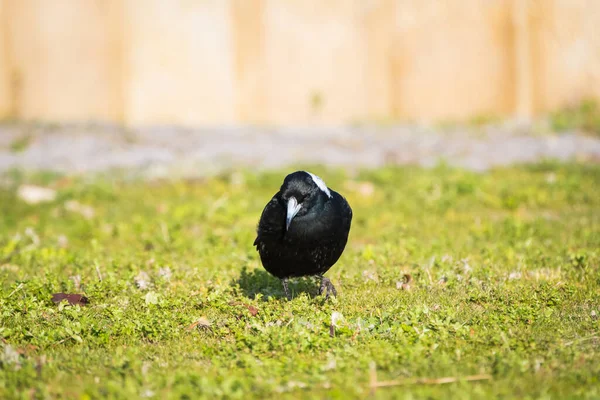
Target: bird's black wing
x,y
272,221
346,211
342,213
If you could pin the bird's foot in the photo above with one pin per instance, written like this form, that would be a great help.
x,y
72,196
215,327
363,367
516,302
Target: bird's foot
x,y
327,288
286,290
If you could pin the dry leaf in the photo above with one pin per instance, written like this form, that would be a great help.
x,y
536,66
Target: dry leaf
x,y
365,189
405,283
202,323
86,211
76,281
253,310
165,273
32,194
63,241
370,276
142,280
72,299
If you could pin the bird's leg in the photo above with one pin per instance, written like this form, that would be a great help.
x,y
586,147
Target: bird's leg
x,y
284,282
327,287
323,287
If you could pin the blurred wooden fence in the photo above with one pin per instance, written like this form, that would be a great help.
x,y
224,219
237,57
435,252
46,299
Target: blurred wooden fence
x,y
294,61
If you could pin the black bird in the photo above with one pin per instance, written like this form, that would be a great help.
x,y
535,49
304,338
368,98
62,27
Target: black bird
x,y
303,230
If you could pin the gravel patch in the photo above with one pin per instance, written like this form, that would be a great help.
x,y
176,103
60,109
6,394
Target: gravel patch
x,y
168,151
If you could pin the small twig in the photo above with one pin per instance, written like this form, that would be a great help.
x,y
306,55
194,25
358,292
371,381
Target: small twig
x,y
165,232
98,271
373,377
435,381
429,275
585,339
19,287
217,204
374,384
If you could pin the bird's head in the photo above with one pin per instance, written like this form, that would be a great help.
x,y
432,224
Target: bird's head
x,y
301,192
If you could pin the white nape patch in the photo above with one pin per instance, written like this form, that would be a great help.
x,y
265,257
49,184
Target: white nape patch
x,y
320,183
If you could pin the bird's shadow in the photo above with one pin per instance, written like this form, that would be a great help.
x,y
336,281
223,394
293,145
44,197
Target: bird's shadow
x,y
258,281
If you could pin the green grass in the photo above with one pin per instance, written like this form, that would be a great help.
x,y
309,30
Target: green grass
x,y
585,117
505,269
21,144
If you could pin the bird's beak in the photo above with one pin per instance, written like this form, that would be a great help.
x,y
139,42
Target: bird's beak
x,y
292,209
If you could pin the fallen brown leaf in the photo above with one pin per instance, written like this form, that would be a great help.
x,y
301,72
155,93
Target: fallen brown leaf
x,y
73,299
405,283
202,323
27,349
253,310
